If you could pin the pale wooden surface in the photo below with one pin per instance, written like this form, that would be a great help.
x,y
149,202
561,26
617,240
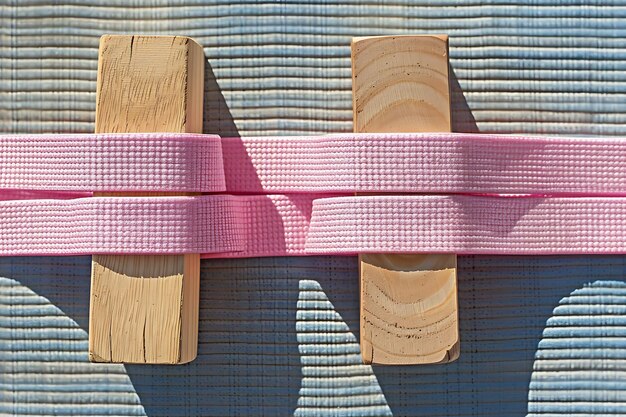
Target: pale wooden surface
x,y
408,302
144,309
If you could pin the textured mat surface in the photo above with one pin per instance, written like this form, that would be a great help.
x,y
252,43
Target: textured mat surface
x,y
278,336
540,336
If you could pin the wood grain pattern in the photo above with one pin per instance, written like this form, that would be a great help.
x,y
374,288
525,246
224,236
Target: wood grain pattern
x,y
144,309
408,302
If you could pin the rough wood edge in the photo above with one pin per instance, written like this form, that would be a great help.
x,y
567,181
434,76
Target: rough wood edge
x,y
189,277
449,352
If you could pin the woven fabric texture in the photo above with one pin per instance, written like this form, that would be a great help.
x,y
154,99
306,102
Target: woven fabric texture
x,y
308,224
435,163
540,335
304,224
139,162
432,163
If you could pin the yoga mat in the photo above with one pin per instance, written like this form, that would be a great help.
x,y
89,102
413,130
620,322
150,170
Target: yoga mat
x,y
277,335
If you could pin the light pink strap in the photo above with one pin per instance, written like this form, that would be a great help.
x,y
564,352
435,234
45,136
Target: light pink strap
x,y
119,225
433,163
164,162
441,163
468,225
241,225
304,224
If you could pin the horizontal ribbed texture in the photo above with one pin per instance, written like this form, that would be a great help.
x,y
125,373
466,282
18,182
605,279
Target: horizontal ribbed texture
x,y
547,67
279,336
553,67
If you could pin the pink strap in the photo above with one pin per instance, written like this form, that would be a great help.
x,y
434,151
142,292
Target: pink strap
x,y
431,163
70,167
217,224
113,162
118,225
305,224
468,225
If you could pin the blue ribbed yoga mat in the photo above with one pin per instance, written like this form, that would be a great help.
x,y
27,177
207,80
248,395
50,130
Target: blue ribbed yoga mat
x,y
542,336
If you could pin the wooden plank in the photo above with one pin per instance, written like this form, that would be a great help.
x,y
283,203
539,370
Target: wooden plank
x,y
408,302
144,309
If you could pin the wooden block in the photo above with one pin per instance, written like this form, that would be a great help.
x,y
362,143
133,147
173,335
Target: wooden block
x,y
144,309
408,302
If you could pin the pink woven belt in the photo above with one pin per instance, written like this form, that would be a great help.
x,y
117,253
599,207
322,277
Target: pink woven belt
x,y
164,162
304,224
400,163
585,178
